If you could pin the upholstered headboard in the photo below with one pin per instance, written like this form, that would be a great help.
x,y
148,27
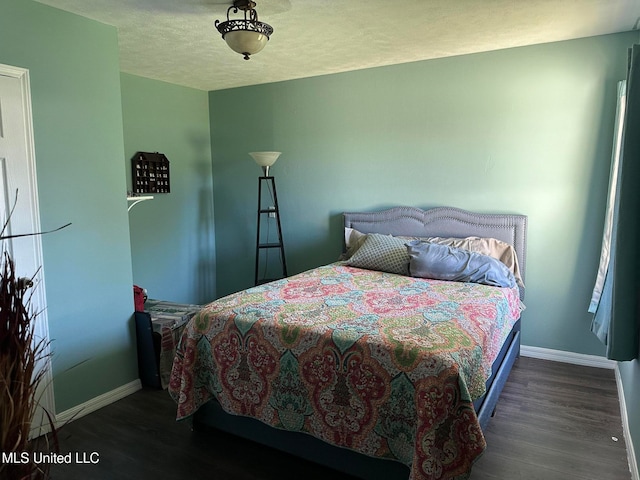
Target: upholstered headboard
x,y
445,222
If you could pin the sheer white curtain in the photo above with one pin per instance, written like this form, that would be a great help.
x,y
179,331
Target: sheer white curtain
x,y
605,254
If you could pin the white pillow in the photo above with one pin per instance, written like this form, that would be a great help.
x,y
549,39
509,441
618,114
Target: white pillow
x,y
353,240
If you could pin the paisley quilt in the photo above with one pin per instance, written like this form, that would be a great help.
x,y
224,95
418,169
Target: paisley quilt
x,y
383,364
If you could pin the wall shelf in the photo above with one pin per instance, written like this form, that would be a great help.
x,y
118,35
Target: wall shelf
x,y
137,200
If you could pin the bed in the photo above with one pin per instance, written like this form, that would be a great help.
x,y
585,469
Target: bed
x,y
362,368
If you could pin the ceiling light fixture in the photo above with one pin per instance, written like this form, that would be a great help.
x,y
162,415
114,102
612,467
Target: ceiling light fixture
x,y
246,36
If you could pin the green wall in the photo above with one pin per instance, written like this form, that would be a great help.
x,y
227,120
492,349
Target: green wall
x,y
77,116
172,236
81,106
526,130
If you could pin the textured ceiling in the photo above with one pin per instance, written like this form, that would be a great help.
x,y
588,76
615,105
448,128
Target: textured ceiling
x,y
176,41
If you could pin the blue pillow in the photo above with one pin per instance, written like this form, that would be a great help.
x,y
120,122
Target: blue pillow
x,y
442,262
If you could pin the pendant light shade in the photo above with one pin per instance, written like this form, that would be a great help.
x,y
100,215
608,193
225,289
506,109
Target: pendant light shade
x,y
245,36
245,42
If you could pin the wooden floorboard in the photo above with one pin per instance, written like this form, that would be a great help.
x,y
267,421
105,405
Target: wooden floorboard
x,y
553,421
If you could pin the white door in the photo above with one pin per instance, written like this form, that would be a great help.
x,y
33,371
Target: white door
x,y
18,174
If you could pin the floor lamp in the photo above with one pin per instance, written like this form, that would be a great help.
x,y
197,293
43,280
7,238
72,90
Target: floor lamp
x,y
265,214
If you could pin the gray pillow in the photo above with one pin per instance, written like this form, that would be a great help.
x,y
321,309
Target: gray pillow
x,y
442,262
383,253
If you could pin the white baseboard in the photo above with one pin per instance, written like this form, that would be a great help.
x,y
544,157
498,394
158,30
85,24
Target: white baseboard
x,y
598,362
567,357
97,402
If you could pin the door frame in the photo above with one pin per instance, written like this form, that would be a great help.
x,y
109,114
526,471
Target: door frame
x,y
38,298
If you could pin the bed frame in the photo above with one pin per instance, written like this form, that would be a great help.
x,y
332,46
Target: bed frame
x,y
405,221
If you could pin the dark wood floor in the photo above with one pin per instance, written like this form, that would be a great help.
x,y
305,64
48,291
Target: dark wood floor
x,y
554,421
